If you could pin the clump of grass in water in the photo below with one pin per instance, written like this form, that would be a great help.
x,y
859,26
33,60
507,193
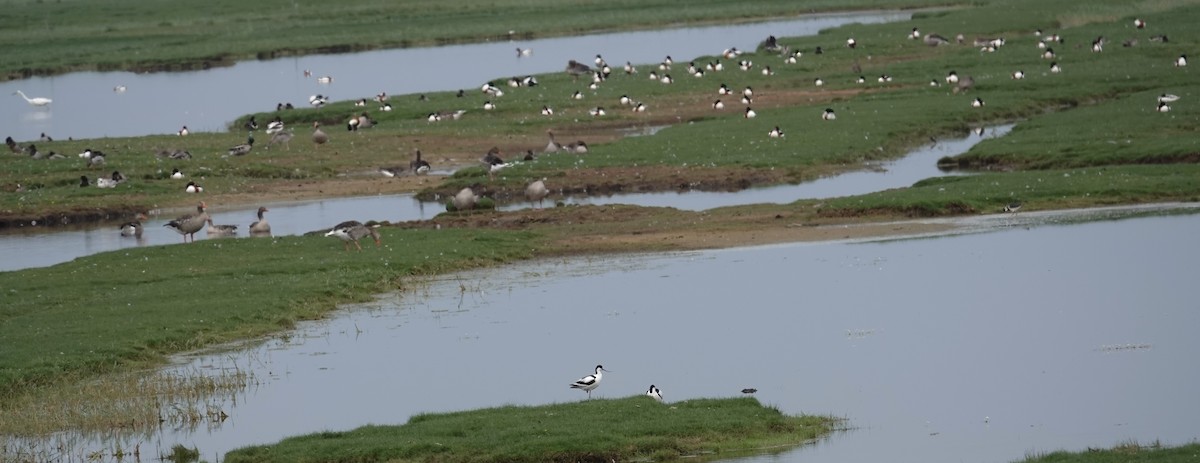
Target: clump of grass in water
x,y
131,403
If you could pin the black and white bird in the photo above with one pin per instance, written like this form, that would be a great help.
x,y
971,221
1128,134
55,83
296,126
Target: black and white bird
x,y
1181,61
192,187
590,382
176,174
977,102
655,393
775,132
828,115
1168,98
750,114
1163,107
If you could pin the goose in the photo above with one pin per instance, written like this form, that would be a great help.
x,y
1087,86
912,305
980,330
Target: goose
x,y
935,40
418,166
1181,61
1168,98
176,174
319,137
104,182
133,228
183,132
552,145
391,172
180,155
750,114
281,138
718,105
1012,207
35,101
260,227
493,161
1163,107
536,191
977,103
589,382
192,187
654,393
351,231
828,115
189,224
275,126
325,80
465,199
244,148
576,69
775,132
221,230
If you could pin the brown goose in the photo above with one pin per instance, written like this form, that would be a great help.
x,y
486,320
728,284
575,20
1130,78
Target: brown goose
x,y
189,224
261,227
537,191
352,231
465,199
318,136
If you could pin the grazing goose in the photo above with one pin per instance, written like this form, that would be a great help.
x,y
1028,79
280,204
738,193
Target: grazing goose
x,y
176,174
180,155
935,40
281,138
465,199
352,231
189,224
221,230
589,382
192,187
260,227
576,69
183,132
417,165
654,393
35,101
133,228
828,115
536,191
552,146
244,148
319,137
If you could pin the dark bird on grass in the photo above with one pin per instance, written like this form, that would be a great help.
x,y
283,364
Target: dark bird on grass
x,y
576,69
749,390
352,231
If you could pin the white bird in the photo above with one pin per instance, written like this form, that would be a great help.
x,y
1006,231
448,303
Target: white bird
x,y
718,105
523,52
625,101
850,42
488,106
1138,23
723,90
1054,68
577,95
318,100
119,89
536,191
748,92
1168,98
952,77
1179,62
465,199
183,132
977,103
176,174
596,112
639,108
547,111
589,382
1162,108
828,115
192,187
655,393
1018,75
775,132
750,114
325,80
818,82
36,101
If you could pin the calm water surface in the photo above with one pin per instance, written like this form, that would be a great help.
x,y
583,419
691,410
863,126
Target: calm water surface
x,y
976,347
39,246
85,105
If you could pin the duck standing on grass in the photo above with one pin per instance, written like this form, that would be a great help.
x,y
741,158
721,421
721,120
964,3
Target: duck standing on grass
x,y
352,231
189,224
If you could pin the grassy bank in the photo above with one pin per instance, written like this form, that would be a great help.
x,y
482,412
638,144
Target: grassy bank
x,y
1127,453
73,35
591,430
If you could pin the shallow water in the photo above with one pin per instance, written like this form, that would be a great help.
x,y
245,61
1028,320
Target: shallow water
x,y
39,246
85,105
979,347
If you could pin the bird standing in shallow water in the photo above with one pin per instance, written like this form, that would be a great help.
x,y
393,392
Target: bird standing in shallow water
x,y
35,101
536,191
260,227
133,228
589,382
189,224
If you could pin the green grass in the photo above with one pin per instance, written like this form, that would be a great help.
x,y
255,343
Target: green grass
x,y
114,310
54,36
590,430
1126,453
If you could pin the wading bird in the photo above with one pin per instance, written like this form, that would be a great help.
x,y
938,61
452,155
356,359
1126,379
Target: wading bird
x,y
589,382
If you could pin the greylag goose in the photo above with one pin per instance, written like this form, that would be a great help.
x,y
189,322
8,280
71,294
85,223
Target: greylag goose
x,y
244,148
553,145
352,231
189,224
536,191
281,138
221,230
318,136
133,228
260,226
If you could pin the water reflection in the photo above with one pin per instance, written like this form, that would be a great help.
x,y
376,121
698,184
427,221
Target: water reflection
x,y
38,246
85,105
979,346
